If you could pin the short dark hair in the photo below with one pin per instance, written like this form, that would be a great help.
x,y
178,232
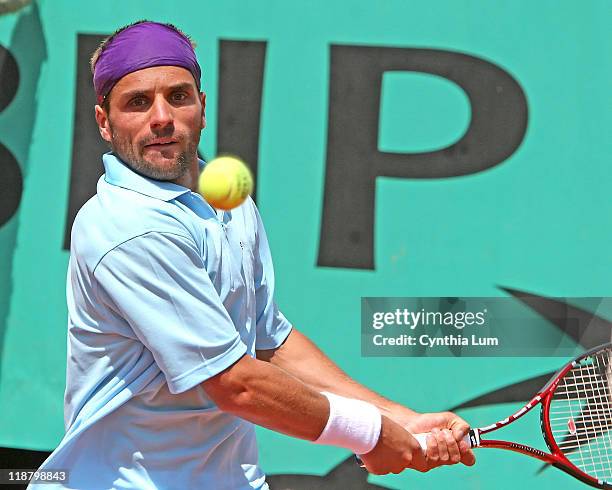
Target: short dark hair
x,y
105,42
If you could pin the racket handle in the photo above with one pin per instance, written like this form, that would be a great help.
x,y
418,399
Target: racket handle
x,y
422,440
470,438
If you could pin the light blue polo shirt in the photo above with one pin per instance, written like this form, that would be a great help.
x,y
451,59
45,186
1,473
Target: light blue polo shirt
x,y
163,293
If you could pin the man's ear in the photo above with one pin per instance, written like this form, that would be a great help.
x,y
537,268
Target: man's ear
x,y
103,123
203,100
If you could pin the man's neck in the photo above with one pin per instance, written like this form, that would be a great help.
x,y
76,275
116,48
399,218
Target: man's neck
x,y
190,178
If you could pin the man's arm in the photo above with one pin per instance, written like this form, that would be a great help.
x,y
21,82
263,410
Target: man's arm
x,y
300,357
268,396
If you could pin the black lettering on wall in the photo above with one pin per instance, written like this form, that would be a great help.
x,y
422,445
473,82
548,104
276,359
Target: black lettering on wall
x,y
11,180
497,127
87,145
9,77
241,73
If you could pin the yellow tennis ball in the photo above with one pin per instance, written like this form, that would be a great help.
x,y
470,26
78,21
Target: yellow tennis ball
x,y
225,182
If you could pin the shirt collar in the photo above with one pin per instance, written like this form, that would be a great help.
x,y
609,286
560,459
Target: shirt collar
x,y
119,174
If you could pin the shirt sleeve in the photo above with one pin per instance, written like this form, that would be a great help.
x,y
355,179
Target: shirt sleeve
x,y
272,326
158,284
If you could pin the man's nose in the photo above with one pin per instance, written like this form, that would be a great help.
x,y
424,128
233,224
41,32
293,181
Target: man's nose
x,y
161,113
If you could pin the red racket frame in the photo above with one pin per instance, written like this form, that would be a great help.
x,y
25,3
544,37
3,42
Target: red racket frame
x,y
556,458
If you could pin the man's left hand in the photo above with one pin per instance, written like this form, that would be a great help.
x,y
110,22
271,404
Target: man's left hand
x,y
445,444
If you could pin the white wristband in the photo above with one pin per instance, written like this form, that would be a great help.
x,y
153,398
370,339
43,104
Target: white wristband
x,y
352,424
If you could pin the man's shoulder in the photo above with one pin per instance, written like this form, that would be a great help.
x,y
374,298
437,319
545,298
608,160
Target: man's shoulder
x,y
109,219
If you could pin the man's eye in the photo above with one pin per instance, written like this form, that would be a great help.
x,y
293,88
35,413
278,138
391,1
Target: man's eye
x,y
138,101
179,96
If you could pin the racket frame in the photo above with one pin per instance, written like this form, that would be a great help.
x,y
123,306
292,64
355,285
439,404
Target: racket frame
x,y
544,399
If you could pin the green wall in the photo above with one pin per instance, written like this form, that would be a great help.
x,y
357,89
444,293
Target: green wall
x,y
540,221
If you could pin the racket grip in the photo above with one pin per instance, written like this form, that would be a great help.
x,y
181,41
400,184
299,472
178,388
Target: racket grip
x,y
422,440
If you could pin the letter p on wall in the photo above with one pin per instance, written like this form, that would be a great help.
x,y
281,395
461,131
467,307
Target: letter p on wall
x,y
497,128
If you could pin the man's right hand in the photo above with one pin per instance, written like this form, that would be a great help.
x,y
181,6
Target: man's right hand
x,y
395,451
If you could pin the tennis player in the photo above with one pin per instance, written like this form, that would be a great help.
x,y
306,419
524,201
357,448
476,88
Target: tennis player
x,y
175,345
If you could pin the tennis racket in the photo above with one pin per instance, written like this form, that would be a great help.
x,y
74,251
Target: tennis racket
x,y
575,416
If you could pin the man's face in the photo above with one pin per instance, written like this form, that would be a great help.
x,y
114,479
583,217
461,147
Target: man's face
x,y
154,121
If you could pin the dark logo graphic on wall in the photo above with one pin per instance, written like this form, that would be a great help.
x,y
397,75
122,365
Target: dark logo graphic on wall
x,y
11,182
26,48
496,129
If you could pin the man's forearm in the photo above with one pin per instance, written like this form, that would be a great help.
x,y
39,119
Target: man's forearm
x,y
267,396
303,359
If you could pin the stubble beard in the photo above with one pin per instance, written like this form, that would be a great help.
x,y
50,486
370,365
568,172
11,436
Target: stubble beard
x,y
131,155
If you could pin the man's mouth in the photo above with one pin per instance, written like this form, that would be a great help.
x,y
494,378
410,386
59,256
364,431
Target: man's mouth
x,y
161,143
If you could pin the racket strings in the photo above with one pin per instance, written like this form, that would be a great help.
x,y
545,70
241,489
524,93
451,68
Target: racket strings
x,y
603,410
580,414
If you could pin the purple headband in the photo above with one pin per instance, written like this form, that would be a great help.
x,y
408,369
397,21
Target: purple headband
x,y
142,46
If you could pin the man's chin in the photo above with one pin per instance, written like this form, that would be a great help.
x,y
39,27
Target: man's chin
x,y
158,168
160,162
166,157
